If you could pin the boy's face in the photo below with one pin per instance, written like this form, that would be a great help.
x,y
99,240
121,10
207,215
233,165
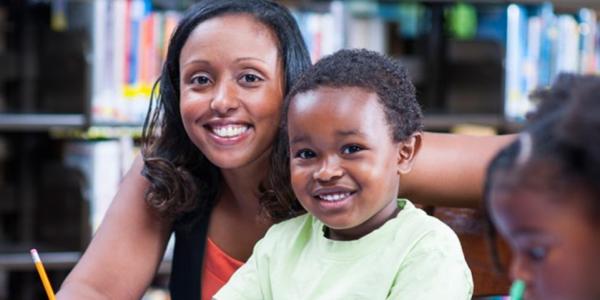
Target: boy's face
x,y
344,164
556,248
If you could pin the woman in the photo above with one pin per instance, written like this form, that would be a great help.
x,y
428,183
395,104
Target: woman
x,y
229,65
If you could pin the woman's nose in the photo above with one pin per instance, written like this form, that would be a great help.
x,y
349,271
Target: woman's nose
x,y
225,99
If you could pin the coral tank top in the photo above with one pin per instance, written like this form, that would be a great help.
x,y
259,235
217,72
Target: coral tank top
x,y
216,269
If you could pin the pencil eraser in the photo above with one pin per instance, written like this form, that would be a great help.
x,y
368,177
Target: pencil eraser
x,y
34,254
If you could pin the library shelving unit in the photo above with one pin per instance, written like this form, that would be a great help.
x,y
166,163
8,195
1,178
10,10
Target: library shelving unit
x,y
472,61
73,90
53,145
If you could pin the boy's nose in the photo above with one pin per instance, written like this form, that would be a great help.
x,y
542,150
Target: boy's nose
x,y
225,99
329,170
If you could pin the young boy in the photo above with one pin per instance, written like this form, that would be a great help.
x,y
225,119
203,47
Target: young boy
x,y
353,128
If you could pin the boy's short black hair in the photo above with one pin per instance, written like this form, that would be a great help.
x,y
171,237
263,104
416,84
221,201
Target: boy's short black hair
x,y
373,72
364,69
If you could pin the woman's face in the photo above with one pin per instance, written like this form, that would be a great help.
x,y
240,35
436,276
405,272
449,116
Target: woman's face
x,y
555,245
231,89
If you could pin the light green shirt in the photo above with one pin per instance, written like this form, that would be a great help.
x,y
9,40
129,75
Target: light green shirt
x,y
413,256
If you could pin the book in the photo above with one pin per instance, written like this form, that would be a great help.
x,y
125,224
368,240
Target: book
x,y
515,93
567,48
103,163
589,34
129,48
542,44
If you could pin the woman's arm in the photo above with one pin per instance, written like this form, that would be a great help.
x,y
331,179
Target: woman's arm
x,y
125,252
450,169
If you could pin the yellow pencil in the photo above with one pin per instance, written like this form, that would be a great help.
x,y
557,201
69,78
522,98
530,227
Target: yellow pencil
x,y
43,276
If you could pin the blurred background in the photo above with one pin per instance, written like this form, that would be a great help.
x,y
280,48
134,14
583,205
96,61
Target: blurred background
x,y
76,77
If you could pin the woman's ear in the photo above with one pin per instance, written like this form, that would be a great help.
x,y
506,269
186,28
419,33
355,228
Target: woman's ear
x,y
407,152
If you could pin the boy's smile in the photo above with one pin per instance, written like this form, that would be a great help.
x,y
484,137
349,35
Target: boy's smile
x,y
344,163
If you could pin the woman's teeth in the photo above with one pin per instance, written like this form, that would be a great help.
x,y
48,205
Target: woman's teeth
x,y
334,197
229,130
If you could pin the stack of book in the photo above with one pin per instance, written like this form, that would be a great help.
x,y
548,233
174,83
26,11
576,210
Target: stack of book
x,y
540,45
130,42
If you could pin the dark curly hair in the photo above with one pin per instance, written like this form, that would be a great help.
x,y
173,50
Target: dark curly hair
x,y
360,68
559,150
183,183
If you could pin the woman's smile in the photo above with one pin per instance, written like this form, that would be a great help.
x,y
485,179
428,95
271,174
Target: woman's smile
x,y
228,132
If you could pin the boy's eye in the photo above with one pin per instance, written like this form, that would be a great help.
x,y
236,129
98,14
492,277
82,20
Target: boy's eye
x,y
537,253
349,149
200,79
305,154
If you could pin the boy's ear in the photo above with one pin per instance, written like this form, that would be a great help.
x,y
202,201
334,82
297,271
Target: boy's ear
x,y
407,151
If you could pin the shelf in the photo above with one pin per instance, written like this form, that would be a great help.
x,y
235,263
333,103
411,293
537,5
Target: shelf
x,y
106,131
560,3
51,260
117,124
447,121
54,261
67,126
40,122
563,3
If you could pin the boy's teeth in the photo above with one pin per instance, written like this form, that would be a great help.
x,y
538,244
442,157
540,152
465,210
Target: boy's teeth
x,y
334,197
229,130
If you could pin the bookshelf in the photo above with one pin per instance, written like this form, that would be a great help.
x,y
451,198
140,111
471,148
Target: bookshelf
x,y
40,122
47,78
77,88
473,57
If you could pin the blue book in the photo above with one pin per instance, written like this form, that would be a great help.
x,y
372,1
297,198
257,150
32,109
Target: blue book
x,y
516,104
491,23
587,23
548,45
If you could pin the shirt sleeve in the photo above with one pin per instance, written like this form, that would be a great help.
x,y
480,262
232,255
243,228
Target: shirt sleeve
x,y
435,269
248,282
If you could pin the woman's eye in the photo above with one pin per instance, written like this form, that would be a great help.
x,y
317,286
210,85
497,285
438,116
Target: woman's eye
x,y
537,253
349,149
250,78
305,154
200,79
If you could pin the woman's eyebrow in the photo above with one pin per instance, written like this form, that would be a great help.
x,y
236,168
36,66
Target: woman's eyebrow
x,y
250,58
196,62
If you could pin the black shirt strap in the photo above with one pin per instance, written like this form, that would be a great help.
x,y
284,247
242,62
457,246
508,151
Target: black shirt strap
x,y
186,270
